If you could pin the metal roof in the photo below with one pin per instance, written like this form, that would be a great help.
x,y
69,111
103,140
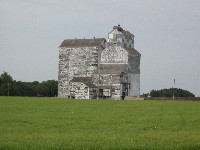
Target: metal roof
x,y
111,69
132,51
89,84
83,42
81,79
85,80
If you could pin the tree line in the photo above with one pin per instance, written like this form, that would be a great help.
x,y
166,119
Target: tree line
x,y
10,87
176,92
49,88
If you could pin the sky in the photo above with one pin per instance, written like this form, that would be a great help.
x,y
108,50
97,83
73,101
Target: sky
x,y
167,34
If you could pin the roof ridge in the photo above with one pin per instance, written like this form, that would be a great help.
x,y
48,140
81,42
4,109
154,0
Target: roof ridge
x,y
82,42
132,50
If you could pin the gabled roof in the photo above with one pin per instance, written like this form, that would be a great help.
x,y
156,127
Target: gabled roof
x,y
118,28
129,50
89,84
85,80
132,51
111,69
81,79
127,34
83,42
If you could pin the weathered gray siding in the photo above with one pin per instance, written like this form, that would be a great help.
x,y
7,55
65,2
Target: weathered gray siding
x,y
80,61
113,66
114,54
134,80
79,90
63,70
134,74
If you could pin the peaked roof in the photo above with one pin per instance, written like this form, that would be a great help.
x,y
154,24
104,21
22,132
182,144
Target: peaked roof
x,y
118,28
127,34
129,50
89,84
110,68
83,42
85,80
132,51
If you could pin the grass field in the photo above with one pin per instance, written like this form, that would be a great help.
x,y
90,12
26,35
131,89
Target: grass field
x,y
53,123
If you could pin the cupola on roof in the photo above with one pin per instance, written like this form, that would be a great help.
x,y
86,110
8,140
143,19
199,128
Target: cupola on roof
x,y
118,28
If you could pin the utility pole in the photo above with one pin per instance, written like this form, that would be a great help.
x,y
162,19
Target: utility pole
x,y
173,89
8,89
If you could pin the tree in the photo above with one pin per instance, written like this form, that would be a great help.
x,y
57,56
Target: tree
x,y
5,84
48,88
8,86
169,93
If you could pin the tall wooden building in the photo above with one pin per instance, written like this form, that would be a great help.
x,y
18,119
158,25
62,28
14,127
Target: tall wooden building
x,y
99,68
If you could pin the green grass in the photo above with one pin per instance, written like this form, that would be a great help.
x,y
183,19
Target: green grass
x,y
53,123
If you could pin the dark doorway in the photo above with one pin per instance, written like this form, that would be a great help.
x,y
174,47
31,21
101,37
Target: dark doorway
x,y
125,88
100,93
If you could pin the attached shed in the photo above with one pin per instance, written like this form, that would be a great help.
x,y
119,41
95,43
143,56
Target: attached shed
x,y
82,88
110,79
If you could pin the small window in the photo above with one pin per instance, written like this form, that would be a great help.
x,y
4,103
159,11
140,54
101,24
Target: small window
x,y
114,36
110,36
86,89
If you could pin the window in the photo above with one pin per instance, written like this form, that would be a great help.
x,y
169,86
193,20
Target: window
x,y
110,36
114,36
86,89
